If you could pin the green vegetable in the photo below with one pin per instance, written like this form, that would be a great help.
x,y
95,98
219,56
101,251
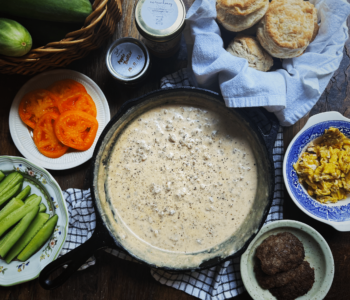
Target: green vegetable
x,y
17,215
39,239
15,40
25,192
32,230
15,234
13,192
68,11
10,207
2,176
42,208
10,186
30,198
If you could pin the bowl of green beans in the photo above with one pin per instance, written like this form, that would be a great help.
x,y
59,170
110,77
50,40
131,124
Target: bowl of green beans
x,y
33,220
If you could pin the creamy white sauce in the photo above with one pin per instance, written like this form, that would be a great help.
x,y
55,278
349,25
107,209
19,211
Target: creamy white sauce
x,y
182,178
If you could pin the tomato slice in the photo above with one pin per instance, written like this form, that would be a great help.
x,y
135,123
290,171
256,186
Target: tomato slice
x,y
35,104
76,129
45,138
66,87
79,101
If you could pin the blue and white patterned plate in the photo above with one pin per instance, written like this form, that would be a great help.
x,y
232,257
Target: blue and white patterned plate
x,y
334,214
44,185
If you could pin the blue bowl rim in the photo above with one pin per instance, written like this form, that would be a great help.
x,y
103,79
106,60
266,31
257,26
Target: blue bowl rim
x,y
335,213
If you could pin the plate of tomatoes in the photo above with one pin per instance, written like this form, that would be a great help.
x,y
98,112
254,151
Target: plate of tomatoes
x,y
57,117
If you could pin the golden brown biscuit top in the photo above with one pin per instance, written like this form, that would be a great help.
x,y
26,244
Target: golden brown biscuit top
x,y
251,43
290,23
241,7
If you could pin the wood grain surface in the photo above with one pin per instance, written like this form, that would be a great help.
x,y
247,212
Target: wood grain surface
x,y
112,278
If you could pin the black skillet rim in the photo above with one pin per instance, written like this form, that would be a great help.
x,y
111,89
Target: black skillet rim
x,y
122,110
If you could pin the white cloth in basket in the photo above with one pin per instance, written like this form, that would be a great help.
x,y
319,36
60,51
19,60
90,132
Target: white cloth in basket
x,y
290,92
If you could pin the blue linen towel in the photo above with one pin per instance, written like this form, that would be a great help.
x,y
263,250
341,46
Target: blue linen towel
x,y
290,92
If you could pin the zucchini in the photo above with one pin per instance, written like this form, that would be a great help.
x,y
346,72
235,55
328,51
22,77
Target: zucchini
x,y
15,40
17,215
39,239
15,233
11,193
25,192
67,11
30,198
2,176
31,231
8,186
10,207
42,208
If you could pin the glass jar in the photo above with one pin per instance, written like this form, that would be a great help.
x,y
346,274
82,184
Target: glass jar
x,y
160,23
128,61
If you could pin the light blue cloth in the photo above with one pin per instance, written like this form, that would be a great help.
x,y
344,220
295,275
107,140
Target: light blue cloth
x,y
290,92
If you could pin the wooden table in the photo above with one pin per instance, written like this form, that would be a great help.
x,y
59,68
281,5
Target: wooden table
x,y
112,278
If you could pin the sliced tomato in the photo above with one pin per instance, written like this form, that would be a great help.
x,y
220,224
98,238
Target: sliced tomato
x,y
79,101
35,104
67,87
45,138
76,129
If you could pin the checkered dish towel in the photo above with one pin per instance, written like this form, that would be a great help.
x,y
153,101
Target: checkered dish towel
x,y
220,282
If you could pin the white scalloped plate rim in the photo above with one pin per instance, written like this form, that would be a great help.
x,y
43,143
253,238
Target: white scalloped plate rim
x,y
42,183
21,135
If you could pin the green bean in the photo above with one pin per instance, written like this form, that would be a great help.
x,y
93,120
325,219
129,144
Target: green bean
x,y
15,234
39,239
32,230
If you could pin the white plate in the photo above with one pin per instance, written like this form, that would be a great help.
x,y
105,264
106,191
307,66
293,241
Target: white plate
x,y
42,184
21,135
317,253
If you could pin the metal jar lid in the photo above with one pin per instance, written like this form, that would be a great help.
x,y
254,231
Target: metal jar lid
x,y
128,60
160,20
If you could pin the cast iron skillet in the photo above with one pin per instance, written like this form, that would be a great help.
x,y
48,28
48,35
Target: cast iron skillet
x,y
103,237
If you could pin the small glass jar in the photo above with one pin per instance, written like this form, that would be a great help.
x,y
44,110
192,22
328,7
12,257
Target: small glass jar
x,y
161,22
128,61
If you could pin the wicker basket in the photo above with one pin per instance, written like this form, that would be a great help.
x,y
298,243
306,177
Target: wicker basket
x,y
97,27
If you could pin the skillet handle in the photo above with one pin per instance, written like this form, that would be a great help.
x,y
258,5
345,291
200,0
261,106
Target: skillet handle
x,y
73,259
270,138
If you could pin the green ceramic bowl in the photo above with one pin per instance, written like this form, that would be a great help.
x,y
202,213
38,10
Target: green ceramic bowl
x,y
44,185
317,253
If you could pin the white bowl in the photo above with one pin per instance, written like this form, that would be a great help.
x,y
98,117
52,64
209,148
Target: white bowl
x,y
334,214
44,185
317,253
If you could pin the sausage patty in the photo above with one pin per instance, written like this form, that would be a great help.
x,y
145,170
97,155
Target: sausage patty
x,y
280,253
277,280
304,278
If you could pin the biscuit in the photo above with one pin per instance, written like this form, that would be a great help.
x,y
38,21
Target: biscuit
x,y
238,15
288,27
249,48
